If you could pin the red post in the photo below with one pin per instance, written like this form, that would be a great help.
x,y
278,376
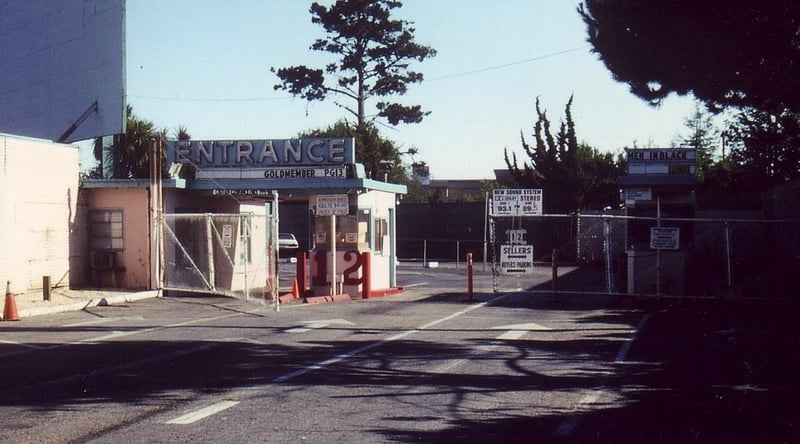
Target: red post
x,y
469,276
302,272
366,275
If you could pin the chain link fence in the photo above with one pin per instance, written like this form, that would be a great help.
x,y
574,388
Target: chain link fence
x,y
228,254
613,254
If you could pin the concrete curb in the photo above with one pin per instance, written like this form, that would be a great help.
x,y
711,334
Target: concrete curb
x,y
333,298
78,306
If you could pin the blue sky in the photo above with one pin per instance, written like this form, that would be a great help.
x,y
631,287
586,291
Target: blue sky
x,y
206,64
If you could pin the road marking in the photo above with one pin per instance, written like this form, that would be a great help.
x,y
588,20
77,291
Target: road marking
x,y
419,284
626,346
313,325
397,337
104,320
517,331
569,424
21,344
566,427
205,412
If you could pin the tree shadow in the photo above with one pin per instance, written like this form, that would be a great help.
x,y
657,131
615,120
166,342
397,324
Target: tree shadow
x,y
696,373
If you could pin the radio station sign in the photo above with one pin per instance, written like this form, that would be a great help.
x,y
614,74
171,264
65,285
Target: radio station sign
x,y
665,238
332,205
669,161
517,202
285,153
516,259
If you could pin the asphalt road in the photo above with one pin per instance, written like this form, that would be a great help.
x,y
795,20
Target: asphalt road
x,y
429,365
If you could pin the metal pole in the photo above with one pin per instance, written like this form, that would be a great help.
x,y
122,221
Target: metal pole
x,y
607,241
333,254
554,278
210,253
46,287
485,230
274,258
424,253
243,248
728,279
658,251
469,276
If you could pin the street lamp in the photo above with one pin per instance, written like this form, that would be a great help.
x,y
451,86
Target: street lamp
x,y
386,166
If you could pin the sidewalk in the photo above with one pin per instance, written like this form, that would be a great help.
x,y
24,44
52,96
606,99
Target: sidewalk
x,y
64,300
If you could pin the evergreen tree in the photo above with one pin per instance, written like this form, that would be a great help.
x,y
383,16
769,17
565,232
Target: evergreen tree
x,y
371,149
374,54
572,176
765,148
727,54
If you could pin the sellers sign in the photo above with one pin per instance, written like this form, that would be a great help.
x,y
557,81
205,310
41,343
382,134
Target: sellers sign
x,y
516,259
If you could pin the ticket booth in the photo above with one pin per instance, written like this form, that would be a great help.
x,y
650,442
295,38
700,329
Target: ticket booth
x,y
351,217
659,189
353,249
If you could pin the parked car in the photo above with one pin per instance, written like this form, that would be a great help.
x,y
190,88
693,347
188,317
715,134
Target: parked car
x,y
287,240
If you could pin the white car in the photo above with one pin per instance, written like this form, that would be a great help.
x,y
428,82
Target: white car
x,y
287,240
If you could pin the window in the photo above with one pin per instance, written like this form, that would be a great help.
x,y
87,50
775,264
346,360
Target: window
x,y
352,231
105,230
246,253
381,235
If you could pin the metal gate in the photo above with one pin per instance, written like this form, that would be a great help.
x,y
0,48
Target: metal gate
x,y
614,254
556,252
228,254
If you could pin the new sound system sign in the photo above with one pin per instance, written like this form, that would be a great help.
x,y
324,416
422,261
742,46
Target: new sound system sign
x,y
517,202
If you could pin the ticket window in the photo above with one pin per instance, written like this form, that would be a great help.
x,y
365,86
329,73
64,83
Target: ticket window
x,y
353,232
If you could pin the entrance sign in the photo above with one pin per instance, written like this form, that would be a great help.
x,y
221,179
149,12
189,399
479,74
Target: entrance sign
x,y
663,238
517,202
332,205
262,153
516,259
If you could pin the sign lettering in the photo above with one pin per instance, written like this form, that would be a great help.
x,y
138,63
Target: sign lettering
x,y
262,153
517,202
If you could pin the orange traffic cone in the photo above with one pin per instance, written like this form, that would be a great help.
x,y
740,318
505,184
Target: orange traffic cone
x,y
10,309
295,290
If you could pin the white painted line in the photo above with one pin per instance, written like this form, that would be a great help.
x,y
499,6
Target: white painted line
x,y
22,344
626,347
197,415
397,337
569,424
104,320
419,284
566,427
313,325
512,335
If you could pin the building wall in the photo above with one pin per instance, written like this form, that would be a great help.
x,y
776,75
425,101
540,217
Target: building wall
x,y
38,211
132,268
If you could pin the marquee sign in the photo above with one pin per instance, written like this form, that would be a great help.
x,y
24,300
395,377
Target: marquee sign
x,y
310,158
669,161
